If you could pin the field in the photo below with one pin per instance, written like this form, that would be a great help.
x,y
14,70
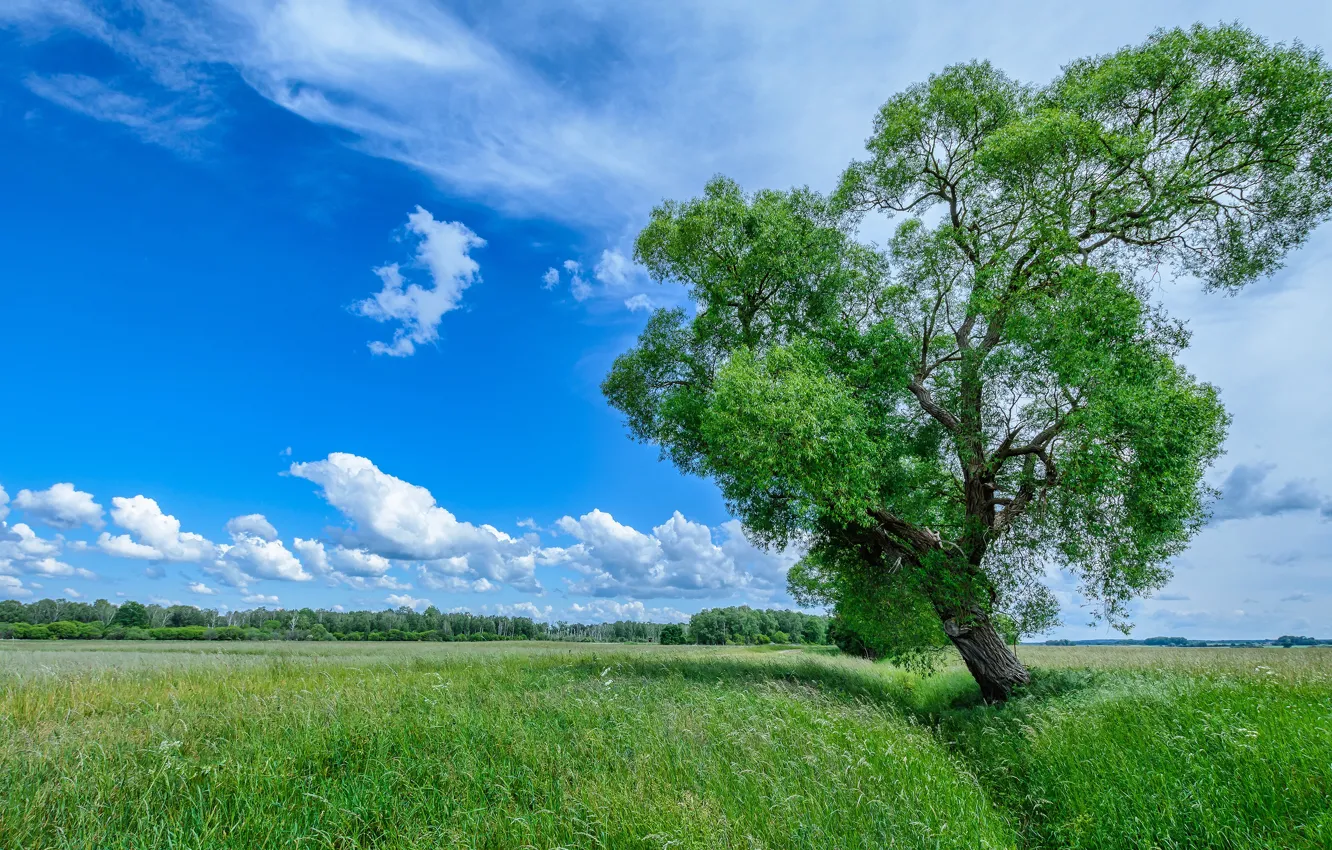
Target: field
x,y
552,745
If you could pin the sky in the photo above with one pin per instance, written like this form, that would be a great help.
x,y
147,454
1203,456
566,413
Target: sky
x,y
307,303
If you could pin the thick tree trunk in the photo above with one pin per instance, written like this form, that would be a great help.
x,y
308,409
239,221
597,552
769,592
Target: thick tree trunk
x,y
993,665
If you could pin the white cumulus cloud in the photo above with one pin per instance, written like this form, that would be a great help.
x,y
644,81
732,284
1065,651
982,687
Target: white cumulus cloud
x,y
609,610
11,587
256,558
255,525
60,506
397,520
443,249
679,558
159,535
402,600
260,599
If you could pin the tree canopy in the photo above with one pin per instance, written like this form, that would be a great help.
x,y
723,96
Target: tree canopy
x,y
941,420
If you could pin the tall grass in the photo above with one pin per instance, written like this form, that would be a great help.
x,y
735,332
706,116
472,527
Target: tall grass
x,y
466,748
548,746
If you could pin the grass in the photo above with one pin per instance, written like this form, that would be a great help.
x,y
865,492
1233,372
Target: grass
x,y
549,746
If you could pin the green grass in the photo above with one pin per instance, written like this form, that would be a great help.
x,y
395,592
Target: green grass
x,y
548,746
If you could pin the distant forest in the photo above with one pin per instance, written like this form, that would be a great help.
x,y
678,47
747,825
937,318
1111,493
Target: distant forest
x,y
61,619
1284,640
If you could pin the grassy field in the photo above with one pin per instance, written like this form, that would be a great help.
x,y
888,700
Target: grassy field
x,y
552,745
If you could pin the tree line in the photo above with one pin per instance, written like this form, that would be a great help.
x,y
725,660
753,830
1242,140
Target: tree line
x,y
62,619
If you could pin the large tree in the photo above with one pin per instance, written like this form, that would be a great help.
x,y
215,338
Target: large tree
x,y
993,394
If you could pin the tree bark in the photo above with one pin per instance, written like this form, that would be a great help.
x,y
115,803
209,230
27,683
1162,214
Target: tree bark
x,y
993,665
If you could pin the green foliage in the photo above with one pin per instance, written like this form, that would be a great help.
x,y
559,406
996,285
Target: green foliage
x,y
993,393
745,625
12,611
671,635
131,615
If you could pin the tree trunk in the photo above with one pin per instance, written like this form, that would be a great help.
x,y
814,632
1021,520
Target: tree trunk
x,y
993,665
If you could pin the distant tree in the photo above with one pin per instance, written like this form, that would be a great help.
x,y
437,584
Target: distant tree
x,y
1166,641
844,636
13,611
996,392
1296,640
104,611
131,615
671,634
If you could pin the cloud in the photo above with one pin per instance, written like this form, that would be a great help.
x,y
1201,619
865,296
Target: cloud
x,y
52,567
1297,597
1281,559
4,504
443,248
60,506
404,601
613,269
679,558
615,279
260,599
255,525
12,588
169,125
525,609
452,583
72,593
397,520
1243,495
1172,597
21,543
579,288
201,588
356,568
121,546
250,557
159,535
608,610
24,552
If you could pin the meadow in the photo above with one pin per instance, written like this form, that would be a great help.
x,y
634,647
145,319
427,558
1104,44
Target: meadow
x,y
517,745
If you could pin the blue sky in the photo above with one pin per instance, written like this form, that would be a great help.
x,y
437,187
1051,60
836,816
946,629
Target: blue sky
x,y
293,260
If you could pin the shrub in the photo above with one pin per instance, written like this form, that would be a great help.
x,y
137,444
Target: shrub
x,y
24,631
